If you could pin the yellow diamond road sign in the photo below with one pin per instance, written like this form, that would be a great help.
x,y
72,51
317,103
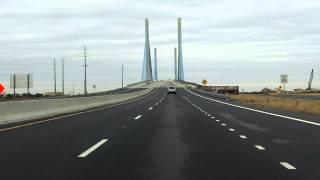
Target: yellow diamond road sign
x,y
204,82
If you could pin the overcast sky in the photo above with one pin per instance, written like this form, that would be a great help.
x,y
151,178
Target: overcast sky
x,y
228,42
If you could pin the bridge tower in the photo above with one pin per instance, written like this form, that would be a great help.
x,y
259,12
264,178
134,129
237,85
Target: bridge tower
x,y
147,68
180,59
175,64
155,70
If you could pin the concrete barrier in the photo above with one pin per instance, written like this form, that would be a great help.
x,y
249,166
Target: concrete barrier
x,y
192,87
212,94
17,111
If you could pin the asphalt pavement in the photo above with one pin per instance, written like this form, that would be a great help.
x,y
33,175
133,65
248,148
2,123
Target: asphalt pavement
x,y
183,136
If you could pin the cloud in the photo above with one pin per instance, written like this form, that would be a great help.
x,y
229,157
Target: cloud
x,y
227,33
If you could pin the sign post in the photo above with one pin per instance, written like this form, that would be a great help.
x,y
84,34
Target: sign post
x,y
284,80
21,81
94,88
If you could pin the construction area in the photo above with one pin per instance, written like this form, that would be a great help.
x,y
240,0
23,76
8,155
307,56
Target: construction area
x,y
299,100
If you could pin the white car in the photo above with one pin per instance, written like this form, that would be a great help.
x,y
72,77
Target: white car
x,y
172,89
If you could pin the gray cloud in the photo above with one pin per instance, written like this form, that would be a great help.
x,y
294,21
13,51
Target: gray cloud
x,y
241,39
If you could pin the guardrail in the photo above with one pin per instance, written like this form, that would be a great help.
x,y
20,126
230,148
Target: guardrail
x,y
17,111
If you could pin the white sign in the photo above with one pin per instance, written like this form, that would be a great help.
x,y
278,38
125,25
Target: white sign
x,y
21,81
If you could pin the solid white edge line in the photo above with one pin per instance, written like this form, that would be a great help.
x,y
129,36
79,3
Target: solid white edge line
x,y
91,149
138,117
259,111
287,165
260,147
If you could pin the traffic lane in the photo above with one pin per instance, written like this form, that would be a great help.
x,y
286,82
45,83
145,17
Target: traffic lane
x,y
121,150
43,149
285,139
311,117
177,142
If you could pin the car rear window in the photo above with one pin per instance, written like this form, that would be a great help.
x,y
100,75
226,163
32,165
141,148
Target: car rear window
x,y
171,87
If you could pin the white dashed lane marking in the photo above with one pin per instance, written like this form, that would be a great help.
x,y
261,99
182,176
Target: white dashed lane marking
x,y
94,147
150,108
287,165
260,147
243,136
138,117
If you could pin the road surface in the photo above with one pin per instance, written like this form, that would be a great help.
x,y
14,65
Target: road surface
x,y
160,136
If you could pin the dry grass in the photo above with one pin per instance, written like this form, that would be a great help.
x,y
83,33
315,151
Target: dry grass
x,y
299,94
307,106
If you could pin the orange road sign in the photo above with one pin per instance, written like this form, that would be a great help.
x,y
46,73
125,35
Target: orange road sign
x,y
1,88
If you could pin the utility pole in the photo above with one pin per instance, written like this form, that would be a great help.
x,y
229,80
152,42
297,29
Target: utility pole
x,y
62,64
310,81
85,69
28,78
14,84
55,76
122,76
73,89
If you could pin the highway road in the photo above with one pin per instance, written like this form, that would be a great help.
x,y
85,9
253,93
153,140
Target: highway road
x,y
183,136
